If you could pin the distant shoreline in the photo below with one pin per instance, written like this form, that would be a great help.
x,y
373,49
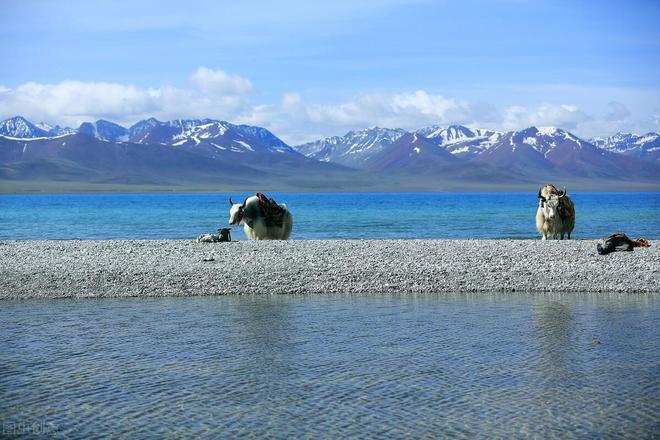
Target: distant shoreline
x,y
141,268
15,187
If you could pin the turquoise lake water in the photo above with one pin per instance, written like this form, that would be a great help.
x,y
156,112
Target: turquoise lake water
x,y
322,215
460,366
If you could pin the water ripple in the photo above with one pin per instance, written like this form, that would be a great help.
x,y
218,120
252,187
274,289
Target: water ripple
x,y
390,366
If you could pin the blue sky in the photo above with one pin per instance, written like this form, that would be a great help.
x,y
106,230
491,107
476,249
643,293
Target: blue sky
x,y
311,69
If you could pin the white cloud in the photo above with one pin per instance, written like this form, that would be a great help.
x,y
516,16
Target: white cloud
x,y
217,82
565,116
217,94
618,111
221,95
410,110
406,110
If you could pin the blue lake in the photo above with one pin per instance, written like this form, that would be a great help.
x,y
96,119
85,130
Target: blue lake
x,y
321,215
494,366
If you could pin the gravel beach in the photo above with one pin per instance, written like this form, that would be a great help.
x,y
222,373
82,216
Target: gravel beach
x,y
116,268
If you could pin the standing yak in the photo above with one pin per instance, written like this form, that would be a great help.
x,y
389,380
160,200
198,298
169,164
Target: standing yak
x,y
555,214
262,218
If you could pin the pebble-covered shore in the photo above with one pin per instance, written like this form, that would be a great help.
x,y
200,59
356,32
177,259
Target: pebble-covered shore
x,y
114,268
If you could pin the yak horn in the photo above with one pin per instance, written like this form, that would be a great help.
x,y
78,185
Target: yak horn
x,y
230,202
563,193
540,188
244,202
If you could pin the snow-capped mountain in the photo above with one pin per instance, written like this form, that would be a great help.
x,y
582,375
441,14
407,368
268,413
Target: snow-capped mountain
x,y
353,149
531,148
204,151
411,152
461,154
153,131
104,130
414,157
356,148
219,136
552,151
459,140
43,126
642,146
137,130
264,136
533,151
19,127
61,131
216,136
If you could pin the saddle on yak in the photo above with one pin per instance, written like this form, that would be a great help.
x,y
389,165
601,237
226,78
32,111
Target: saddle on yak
x,y
620,242
272,213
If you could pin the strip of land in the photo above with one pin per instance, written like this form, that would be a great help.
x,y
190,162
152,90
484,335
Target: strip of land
x,y
390,184
141,268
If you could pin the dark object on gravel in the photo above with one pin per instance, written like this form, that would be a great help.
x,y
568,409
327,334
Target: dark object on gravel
x,y
225,234
620,242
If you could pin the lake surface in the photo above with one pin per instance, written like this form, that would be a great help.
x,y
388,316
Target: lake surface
x,y
321,215
351,366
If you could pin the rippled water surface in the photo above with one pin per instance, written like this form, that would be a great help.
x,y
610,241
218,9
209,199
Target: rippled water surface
x,y
504,366
321,215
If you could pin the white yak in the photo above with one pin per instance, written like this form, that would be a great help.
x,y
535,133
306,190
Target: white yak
x,y
262,218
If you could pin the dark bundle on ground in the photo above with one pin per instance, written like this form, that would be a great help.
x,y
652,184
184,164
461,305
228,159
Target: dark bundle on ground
x,y
620,242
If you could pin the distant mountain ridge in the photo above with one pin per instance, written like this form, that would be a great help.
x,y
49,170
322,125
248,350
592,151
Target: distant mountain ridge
x,y
104,130
19,127
460,140
351,149
645,146
189,150
487,154
354,148
465,142
155,152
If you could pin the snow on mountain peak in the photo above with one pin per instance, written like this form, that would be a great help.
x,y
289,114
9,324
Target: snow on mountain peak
x,y
630,144
547,131
353,148
43,126
530,141
448,135
459,140
19,127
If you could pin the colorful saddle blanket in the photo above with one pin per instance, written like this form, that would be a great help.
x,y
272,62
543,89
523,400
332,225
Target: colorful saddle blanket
x,y
271,211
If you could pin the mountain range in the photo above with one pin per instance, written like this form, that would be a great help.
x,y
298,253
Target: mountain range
x,y
151,152
218,153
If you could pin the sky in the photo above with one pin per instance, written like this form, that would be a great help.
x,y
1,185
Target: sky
x,y
311,69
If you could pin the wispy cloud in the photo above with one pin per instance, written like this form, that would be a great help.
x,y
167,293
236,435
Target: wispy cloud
x,y
218,94
214,93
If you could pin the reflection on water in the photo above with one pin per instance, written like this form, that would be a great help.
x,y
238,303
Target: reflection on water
x,y
463,365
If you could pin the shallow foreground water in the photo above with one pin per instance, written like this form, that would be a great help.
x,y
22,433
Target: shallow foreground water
x,y
460,365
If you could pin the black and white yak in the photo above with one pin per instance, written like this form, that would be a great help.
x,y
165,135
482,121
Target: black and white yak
x,y
555,214
262,218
